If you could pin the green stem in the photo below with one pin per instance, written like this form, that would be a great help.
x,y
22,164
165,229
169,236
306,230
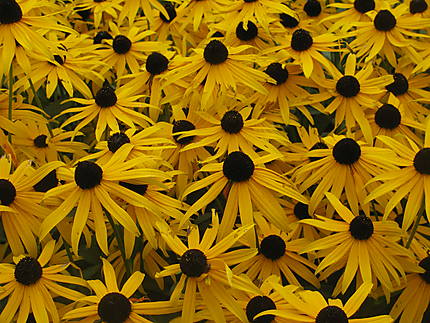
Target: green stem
x,y
415,227
120,242
10,93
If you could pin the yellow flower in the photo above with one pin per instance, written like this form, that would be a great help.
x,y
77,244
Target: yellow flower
x,y
220,68
278,255
31,286
368,250
311,306
108,106
89,187
20,209
204,270
250,187
110,304
17,26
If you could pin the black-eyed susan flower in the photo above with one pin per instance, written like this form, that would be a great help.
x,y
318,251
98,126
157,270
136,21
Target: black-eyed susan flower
x,y
127,48
108,106
20,207
365,249
415,298
250,185
353,91
111,304
306,49
204,270
219,68
311,306
34,140
391,119
19,26
313,13
149,142
234,129
251,34
150,80
89,187
418,7
70,65
169,26
256,300
30,287
286,86
184,161
386,33
410,89
346,166
278,255
410,180
350,11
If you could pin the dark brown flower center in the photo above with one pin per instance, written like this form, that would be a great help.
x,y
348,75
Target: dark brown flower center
x,y
40,141
215,52
399,86
232,122
194,263
7,192
121,44
156,63
422,161
106,97
363,6
179,126
346,151
348,86
301,40
388,116
301,211
28,271
46,183
312,8
246,34
288,21
272,247
384,20
10,12
277,72
238,167
88,175
417,6
114,308
361,227
116,141
331,314
257,305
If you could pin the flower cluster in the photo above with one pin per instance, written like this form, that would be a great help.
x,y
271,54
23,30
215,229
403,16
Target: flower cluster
x,y
221,160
